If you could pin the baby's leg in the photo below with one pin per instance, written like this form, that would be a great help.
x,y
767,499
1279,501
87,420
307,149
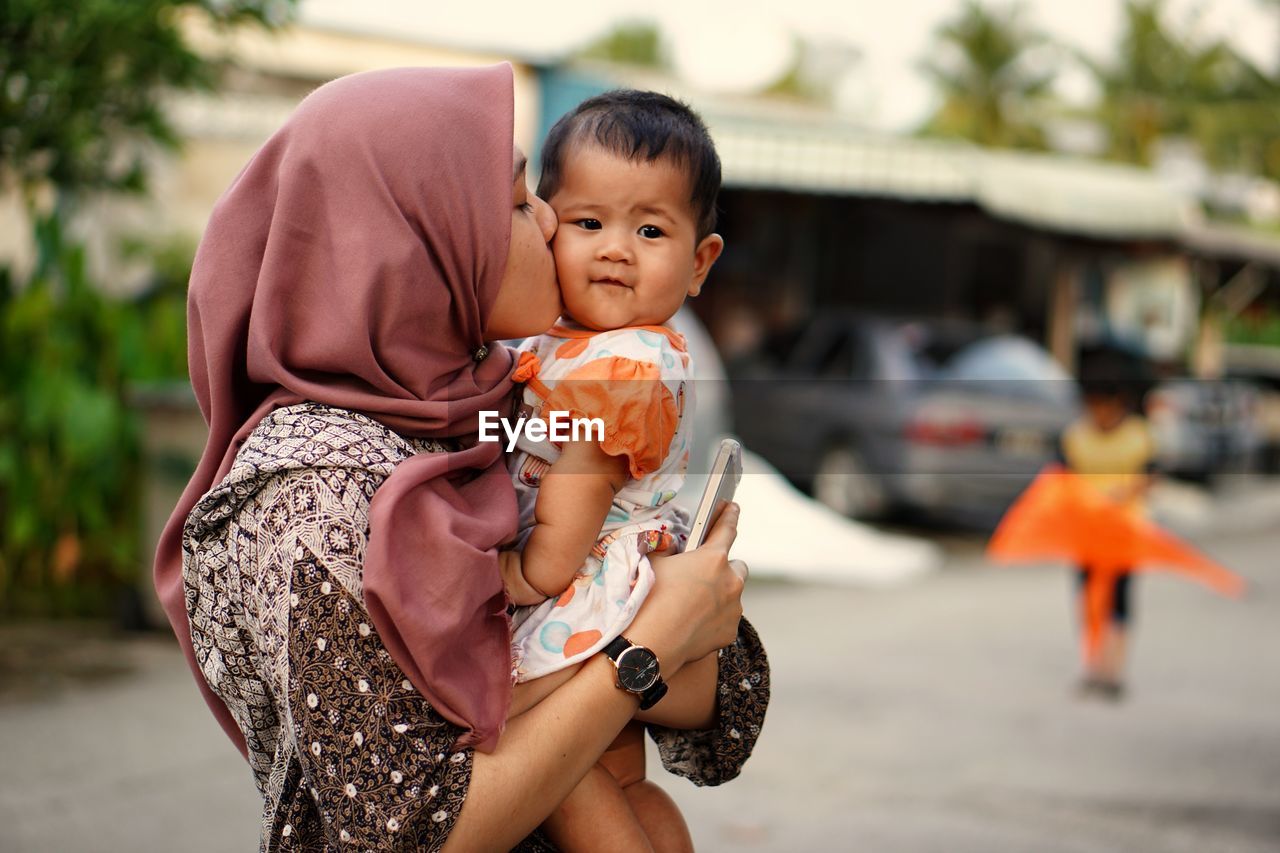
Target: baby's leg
x,y
660,816
657,812
625,756
596,816
606,813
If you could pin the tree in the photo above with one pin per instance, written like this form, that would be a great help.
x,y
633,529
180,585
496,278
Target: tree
x,y
1236,122
1165,83
1147,91
82,84
634,43
815,69
989,85
83,88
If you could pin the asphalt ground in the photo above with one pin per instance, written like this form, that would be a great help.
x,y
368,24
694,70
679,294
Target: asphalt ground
x,y
944,717
936,717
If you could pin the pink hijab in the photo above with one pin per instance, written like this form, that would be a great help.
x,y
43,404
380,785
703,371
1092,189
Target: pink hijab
x,y
353,263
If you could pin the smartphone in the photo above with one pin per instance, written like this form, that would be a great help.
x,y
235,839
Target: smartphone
x,y
726,471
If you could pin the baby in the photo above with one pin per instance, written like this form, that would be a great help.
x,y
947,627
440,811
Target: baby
x,y
633,179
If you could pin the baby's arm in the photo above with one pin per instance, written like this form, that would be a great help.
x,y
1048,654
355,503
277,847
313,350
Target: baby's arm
x,y
573,502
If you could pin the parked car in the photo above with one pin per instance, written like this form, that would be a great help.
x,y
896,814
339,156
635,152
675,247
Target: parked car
x,y
1206,427
1259,365
874,414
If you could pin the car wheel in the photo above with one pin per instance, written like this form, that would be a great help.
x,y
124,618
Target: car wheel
x,y
844,483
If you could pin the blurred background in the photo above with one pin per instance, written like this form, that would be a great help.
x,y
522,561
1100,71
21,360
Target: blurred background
x,y
939,215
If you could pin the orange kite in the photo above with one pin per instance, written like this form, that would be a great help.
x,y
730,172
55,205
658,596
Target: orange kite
x,y
1062,517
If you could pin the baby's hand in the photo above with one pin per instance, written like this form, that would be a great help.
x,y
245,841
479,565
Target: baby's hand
x,y
518,589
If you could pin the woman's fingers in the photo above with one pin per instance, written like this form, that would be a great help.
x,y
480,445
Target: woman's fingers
x,y
725,530
699,595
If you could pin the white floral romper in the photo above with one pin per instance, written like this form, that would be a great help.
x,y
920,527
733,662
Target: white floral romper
x,y
636,380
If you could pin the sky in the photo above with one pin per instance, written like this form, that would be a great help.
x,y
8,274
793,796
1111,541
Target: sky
x,y
736,45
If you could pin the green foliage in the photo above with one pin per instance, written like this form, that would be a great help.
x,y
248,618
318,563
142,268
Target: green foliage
x,y
813,70
69,461
69,445
792,83
151,328
1160,81
1164,82
83,91
1258,327
82,84
635,43
989,88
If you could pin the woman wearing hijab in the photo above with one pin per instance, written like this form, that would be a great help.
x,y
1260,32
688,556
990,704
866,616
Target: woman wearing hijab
x,y
331,570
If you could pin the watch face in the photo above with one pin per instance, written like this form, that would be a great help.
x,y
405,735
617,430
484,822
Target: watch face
x,y
637,669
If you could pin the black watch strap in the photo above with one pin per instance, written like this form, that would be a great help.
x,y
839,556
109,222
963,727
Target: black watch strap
x,y
655,692
619,645
650,697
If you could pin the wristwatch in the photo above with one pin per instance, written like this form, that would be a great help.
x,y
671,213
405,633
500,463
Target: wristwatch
x,y
637,671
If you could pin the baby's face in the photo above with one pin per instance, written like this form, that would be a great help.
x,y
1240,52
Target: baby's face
x,y
626,251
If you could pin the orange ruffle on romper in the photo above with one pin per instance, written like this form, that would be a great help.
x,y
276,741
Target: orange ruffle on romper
x,y
639,413
1062,517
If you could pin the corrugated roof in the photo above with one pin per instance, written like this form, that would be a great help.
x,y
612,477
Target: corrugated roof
x,y
1081,196
1042,190
774,156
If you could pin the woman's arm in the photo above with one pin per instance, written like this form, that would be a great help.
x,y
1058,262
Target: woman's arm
x,y
715,754
693,609
573,501
690,702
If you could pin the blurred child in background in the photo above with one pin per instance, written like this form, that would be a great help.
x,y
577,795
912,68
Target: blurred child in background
x,y
1111,447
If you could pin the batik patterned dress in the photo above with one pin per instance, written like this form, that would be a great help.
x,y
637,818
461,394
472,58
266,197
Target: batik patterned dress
x,y
635,381
346,753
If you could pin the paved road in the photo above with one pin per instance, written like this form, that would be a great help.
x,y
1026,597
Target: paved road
x,y
941,718
933,718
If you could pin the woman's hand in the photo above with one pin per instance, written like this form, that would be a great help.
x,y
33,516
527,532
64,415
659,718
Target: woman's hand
x,y
696,601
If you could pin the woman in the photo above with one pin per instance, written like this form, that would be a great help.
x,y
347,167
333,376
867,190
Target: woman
x,y
331,570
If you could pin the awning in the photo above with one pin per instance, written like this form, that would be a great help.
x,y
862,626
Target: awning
x,y
1234,243
1041,190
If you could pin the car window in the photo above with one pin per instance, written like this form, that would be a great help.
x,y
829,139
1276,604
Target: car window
x,y
1022,367
779,348
900,354
862,362
814,348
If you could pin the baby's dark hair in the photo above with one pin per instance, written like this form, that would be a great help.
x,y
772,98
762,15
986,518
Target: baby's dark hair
x,y
639,126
